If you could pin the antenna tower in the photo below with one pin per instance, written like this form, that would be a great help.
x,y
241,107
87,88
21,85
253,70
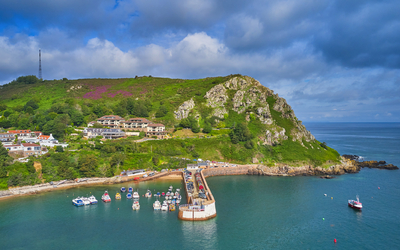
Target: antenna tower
x,y
40,65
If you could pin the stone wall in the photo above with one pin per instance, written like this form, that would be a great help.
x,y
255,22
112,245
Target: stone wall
x,y
239,170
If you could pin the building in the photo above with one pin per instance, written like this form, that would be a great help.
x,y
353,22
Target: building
x,y
104,132
139,124
156,130
25,149
6,137
112,121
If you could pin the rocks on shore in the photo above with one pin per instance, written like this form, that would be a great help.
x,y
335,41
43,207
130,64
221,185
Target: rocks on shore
x,y
369,164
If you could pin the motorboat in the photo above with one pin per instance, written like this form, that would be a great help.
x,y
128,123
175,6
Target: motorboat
x,y
130,189
129,196
92,200
171,207
168,193
118,196
85,201
163,194
178,201
169,201
355,203
136,195
123,190
106,197
136,205
164,206
77,202
158,194
148,194
178,190
156,205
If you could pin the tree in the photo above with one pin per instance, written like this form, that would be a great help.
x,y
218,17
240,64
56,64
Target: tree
x,y
185,123
240,133
162,111
59,149
207,128
87,165
31,103
5,160
31,79
195,128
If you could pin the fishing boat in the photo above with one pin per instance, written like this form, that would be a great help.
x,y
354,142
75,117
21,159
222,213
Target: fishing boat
x,y
105,197
123,190
85,201
77,202
136,205
164,206
148,194
130,189
156,205
129,196
171,207
118,196
355,203
92,200
136,195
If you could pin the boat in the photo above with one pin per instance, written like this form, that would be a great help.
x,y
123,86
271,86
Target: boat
x,y
156,205
136,195
163,194
158,194
171,207
169,201
178,190
105,197
355,203
148,194
129,196
164,206
136,205
85,201
178,201
92,200
130,189
168,193
123,190
118,196
77,202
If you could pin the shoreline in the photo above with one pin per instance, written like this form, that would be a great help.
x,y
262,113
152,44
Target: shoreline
x,y
348,165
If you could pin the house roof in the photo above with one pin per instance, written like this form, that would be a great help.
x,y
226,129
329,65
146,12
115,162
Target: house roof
x,y
138,119
108,117
14,145
30,145
44,137
156,125
18,131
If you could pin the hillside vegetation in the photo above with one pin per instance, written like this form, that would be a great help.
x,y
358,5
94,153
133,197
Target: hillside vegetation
x,y
233,119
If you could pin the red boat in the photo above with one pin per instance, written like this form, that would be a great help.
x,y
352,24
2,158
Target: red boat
x,y
355,204
106,197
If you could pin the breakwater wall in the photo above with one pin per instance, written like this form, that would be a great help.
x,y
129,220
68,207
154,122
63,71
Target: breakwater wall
x,y
239,170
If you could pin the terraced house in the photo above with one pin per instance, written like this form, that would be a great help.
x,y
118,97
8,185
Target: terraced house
x,y
138,124
112,121
25,149
6,137
156,130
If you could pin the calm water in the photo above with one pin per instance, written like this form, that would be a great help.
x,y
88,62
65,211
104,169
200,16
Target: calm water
x,y
254,212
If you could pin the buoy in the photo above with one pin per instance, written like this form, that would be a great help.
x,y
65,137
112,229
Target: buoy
x,y
323,218
334,240
118,208
331,198
379,188
325,195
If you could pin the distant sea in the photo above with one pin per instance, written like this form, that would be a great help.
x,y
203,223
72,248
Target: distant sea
x,y
254,212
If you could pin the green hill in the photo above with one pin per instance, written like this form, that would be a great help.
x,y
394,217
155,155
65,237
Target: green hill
x,y
232,118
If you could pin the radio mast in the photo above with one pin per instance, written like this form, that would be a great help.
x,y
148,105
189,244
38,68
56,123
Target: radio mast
x,y
40,65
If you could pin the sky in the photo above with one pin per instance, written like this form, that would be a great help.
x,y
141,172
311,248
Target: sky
x,y
332,60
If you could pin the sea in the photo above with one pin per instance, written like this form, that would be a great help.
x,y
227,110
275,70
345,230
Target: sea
x,y
253,212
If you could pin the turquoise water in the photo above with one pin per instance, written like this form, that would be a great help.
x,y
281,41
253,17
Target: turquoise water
x,y
254,212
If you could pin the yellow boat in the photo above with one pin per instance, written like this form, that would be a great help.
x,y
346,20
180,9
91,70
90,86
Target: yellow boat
x,y
118,196
171,207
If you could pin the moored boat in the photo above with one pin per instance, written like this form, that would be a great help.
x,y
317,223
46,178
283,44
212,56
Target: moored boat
x,y
129,196
118,196
171,207
164,206
136,195
163,194
77,202
156,205
136,205
123,190
85,201
92,200
106,197
130,189
148,194
355,203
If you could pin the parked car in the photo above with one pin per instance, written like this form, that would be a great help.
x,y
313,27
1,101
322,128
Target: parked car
x,y
151,174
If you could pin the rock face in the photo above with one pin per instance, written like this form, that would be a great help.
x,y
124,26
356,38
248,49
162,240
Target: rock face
x,y
346,166
216,98
184,109
369,164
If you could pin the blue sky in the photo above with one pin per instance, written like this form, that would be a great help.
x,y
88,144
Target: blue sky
x,y
333,60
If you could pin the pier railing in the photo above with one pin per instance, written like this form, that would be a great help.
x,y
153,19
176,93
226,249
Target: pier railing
x,y
191,207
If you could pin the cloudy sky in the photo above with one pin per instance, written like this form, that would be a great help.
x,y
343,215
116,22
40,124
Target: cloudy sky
x,y
333,60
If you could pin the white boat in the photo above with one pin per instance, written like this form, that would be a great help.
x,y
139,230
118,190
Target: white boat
x,y
105,197
355,204
136,205
92,200
169,201
85,201
178,190
178,201
156,205
170,197
164,206
136,195
77,202
148,194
